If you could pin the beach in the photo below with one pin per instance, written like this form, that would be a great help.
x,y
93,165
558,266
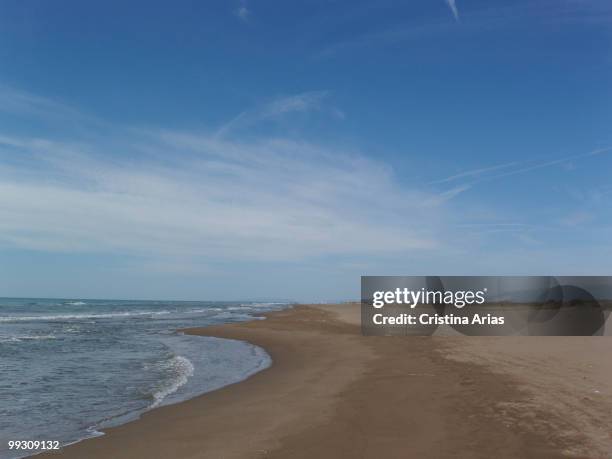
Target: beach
x,y
331,392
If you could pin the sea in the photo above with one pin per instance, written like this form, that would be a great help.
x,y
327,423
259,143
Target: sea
x,y
72,367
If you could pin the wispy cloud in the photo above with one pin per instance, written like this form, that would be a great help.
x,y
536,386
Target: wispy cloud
x,y
474,172
167,194
449,194
577,218
186,200
242,12
479,175
485,16
381,37
16,102
19,102
453,7
529,166
277,109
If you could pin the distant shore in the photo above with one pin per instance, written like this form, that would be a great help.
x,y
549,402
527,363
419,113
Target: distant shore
x,y
333,393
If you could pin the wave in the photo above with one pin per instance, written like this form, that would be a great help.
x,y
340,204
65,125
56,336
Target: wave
x,y
200,310
19,338
264,305
75,303
190,366
183,369
236,315
80,316
109,315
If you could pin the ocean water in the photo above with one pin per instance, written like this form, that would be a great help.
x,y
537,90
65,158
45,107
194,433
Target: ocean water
x,y
69,368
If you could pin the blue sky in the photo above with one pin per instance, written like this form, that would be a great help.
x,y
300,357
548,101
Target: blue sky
x,y
255,149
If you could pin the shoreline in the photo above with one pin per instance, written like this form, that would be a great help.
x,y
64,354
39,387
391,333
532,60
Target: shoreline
x,y
95,431
331,392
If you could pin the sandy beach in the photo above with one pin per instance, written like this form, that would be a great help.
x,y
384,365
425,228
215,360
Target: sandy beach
x,y
333,393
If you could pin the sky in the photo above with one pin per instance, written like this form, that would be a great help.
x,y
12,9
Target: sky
x,y
228,150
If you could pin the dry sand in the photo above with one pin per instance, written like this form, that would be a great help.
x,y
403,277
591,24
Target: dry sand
x,y
332,393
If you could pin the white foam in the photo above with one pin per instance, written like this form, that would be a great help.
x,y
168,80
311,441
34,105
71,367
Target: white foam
x,y
19,338
200,310
44,318
184,370
79,316
262,305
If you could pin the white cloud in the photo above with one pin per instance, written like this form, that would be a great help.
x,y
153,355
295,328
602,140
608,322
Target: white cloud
x,y
192,201
22,104
278,108
243,13
468,179
194,195
577,218
474,172
453,7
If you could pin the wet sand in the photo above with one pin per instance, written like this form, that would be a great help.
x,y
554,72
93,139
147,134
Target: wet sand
x,y
332,393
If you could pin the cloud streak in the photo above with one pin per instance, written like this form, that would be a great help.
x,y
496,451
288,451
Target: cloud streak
x,y
192,199
21,104
242,12
453,7
167,195
479,175
485,16
276,109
